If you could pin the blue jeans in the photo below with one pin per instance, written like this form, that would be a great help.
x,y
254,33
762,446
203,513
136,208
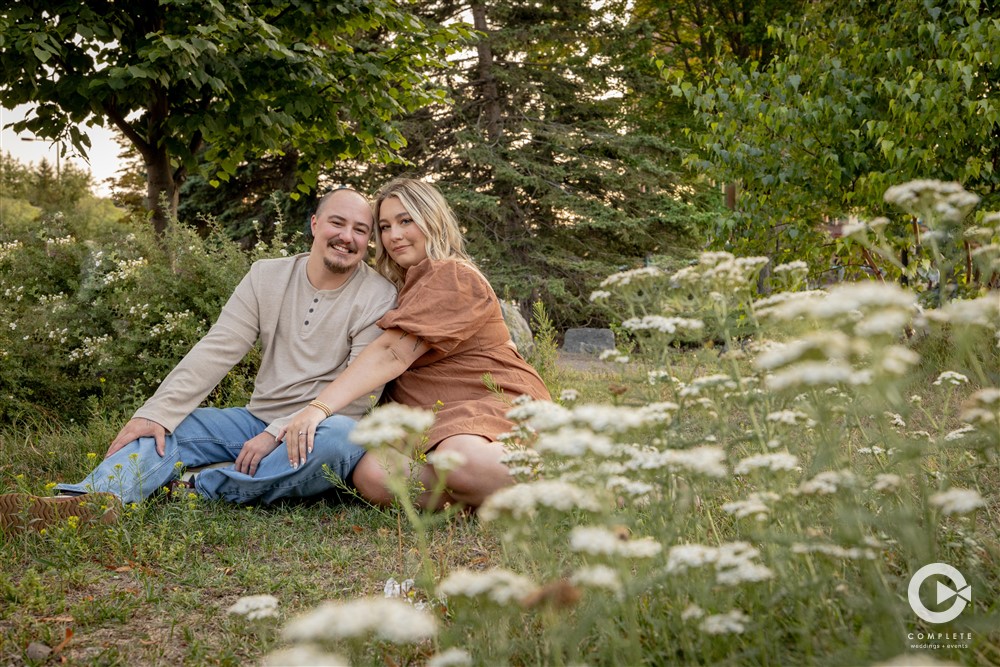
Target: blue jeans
x,y
214,435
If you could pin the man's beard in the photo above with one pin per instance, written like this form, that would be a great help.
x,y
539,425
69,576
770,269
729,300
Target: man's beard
x,y
333,267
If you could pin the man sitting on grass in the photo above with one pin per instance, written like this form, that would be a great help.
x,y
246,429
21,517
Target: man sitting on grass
x,y
312,313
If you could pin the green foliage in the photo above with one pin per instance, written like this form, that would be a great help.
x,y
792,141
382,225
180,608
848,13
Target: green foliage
x,y
105,319
863,96
220,82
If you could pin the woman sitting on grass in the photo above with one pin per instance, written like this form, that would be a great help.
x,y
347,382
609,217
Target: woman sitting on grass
x,y
445,335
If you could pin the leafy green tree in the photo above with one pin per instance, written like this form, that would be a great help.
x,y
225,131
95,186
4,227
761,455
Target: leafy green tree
x,y
864,95
220,81
547,152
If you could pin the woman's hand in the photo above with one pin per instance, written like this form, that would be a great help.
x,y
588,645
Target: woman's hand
x,y
299,434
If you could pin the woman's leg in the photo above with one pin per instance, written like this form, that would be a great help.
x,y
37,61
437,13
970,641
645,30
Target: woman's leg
x,y
482,473
371,479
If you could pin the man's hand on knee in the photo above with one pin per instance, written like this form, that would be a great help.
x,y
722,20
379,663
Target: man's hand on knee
x,y
139,428
253,452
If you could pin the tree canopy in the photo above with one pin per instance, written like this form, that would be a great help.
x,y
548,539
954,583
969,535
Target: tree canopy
x,y
219,81
863,96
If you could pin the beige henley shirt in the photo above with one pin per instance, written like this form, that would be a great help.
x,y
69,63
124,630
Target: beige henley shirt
x,y
307,337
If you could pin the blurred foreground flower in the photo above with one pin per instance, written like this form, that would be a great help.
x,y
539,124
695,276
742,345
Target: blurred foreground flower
x,y
389,619
255,606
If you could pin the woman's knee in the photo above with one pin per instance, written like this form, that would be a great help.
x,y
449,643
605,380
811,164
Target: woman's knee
x,y
370,478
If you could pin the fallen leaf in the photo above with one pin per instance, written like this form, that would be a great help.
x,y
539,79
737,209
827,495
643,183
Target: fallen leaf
x,y
62,644
57,619
357,529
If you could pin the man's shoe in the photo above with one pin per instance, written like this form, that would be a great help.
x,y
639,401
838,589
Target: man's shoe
x,y
21,510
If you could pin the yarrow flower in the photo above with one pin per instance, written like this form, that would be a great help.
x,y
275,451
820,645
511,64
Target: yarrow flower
x,y
733,561
522,500
826,482
626,277
598,576
598,541
664,325
498,585
957,501
931,199
887,482
391,424
255,606
569,395
705,460
950,377
732,622
388,619
776,461
452,657
983,408
790,417
574,442
447,460
304,656
754,505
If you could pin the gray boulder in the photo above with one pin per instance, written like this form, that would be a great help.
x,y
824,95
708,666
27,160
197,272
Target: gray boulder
x,y
586,340
520,332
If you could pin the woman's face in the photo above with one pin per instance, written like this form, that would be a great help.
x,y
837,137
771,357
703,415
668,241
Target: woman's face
x,y
401,237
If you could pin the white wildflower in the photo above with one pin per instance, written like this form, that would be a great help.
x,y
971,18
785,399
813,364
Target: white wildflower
x,y
626,277
983,408
826,482
895,420
733,561
887,482
599,295
754,505
705,460
959,433
928,199
522,500
452,657
816,374
692,611
665,325
790,417
797,266
775,461
732,622
569,395
984,311
498,585
255,606
915,660
391,424
445,461
306,655
574,442
629,486
388,619
614,356
957,501
598,541
598,576
890,322
950,377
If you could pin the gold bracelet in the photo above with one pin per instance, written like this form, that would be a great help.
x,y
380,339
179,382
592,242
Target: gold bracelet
x,y
322,406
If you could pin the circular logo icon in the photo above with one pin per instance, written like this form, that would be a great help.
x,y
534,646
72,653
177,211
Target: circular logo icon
x,y
962,593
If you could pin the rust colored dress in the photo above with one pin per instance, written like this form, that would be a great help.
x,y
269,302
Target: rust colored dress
x,y
453,309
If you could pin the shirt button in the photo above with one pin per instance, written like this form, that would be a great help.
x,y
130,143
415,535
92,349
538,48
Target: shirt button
x,y
310,310
315,300
307,322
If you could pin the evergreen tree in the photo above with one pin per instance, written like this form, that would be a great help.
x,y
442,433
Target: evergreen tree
x,y
558,171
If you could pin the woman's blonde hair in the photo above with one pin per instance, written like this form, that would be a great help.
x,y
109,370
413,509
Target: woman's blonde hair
x,y
433,217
